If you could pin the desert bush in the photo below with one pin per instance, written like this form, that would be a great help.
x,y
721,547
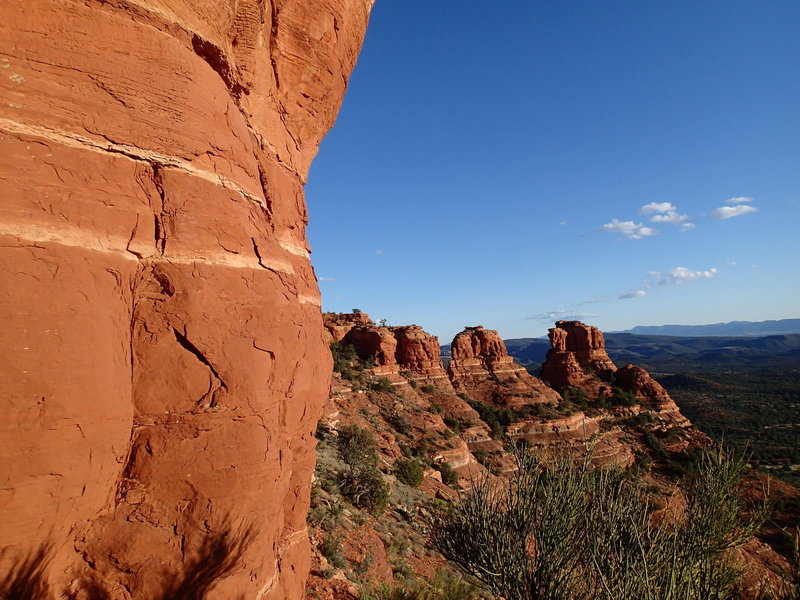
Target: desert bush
x,y
357,446
361,482
442,586
400,423
330,548
563,531
365,488
449,476
428,388
409,472
382,385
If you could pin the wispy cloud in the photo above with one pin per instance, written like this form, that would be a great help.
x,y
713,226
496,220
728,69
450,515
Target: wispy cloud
x,y
327,278
591,301
629,229
560,315
666,212
727,212
378,252
636,294
739,200
680,275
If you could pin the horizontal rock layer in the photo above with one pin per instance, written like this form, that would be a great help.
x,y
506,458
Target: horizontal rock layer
x,y
164,363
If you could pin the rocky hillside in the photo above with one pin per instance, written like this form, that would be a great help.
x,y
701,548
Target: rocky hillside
x,y
432,430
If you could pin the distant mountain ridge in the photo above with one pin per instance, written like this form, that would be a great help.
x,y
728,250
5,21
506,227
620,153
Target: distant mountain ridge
x,y
732,328
678,353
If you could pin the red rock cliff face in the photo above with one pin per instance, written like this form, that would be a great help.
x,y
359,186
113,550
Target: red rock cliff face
x,y
481,367
163,362
578,351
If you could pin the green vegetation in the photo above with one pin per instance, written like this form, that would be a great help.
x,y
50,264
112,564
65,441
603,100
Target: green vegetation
x,y
361,481
563,531
409,472
757,412
382,385
443,586
499,418
449,476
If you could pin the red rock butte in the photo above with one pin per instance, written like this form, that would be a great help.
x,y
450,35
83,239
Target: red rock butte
x,y
481,367
163,360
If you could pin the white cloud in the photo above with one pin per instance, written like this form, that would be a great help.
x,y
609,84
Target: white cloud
x,y
378,252
327,278
657,207
629,229
559,315
682,275
673,218
591,301
726,212
739,200
636,294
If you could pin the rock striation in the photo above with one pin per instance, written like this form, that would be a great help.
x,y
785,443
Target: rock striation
x,y
578,352
578,360
337,325
164,362
481,368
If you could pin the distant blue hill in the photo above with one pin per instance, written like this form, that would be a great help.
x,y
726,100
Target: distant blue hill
x,y
681,353
733,328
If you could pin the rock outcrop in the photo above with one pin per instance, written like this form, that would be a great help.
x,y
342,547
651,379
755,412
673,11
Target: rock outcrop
x,y
578,353
481,367
164,362
339,324
578,360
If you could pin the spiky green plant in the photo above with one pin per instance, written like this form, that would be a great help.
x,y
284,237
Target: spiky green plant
x,y
565,531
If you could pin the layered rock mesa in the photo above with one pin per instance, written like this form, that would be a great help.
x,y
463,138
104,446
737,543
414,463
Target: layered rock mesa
x,y
163,361
392,350
481,367
578,360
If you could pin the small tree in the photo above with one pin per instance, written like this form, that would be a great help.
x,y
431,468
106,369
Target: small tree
x,y
563,531
361,481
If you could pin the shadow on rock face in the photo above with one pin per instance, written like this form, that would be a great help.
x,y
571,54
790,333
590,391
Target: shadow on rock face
x,y
217,558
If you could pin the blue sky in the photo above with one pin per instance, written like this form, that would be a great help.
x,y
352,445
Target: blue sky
x,y
509,164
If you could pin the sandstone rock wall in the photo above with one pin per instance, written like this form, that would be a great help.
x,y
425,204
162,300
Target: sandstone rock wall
x,y
481,367
163,362
337,325
578,352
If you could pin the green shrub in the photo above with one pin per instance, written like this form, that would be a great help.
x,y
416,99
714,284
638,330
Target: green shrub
x,y
344,355
400,423
365,488
428,388
357,446
409,472
329,548
563,531
361,482
382,385
449,476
